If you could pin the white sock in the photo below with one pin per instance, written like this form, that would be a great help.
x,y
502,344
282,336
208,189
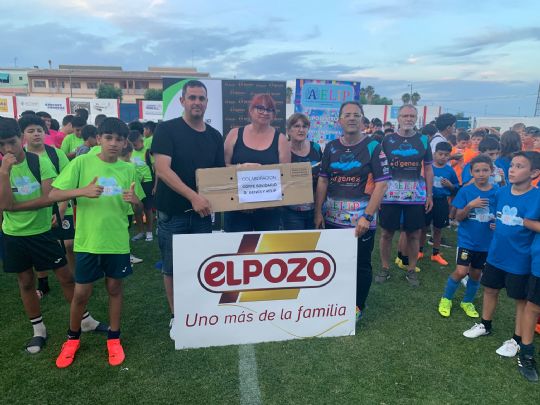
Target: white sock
x,y
149,234
39,330
39,326
88,323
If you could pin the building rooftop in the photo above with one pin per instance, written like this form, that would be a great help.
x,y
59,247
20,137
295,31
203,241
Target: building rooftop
x,y
113,72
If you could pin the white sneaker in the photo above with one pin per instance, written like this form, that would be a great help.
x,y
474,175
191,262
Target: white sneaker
x,y
149,237
171,332
476,331
508,349
134,260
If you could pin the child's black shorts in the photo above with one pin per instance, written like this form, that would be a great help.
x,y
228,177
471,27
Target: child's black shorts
x,y
515,284
439,213
148,201
466,257
410,217
533,293
91,267
42,252
65,230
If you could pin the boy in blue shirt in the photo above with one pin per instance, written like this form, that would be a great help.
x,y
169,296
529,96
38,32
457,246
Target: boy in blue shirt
x,y
445,183
526,362
475,204
491,147
508,264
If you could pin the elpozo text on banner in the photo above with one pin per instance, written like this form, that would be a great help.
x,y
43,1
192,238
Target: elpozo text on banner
x,y
257,287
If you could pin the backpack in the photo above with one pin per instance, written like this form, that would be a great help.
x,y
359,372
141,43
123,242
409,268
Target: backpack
x,y
149,164
35,168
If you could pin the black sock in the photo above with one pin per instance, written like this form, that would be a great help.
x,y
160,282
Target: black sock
x,y
527,350
436,251
73,335
421,250
43,285
517,338
487,324
113,334
405,260
399,255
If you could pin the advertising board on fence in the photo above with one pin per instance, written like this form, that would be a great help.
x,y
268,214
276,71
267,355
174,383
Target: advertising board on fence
x,y
228,101
95,106
55,106
7,108
150,110
239,288
320,100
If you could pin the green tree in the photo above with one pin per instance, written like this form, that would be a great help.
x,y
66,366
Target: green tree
x,y
415,98
108,91
370,92
378,100
153,94
288,95
406,98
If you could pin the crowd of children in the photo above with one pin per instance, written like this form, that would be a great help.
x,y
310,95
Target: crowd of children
x,y
483,181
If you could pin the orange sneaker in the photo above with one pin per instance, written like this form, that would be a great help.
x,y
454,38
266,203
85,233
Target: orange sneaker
x,y
537,329
116,352
420,255
67,354
439,259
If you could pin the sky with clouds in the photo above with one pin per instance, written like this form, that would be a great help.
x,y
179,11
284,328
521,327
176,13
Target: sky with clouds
x,y
478,57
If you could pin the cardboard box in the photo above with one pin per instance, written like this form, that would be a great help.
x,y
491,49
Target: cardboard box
x,y
220,186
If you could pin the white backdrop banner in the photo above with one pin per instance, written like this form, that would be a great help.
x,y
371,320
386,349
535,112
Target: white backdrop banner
x,y
151,110
238,288
56,106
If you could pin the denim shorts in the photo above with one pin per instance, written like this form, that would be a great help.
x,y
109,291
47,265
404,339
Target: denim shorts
x,y
169,225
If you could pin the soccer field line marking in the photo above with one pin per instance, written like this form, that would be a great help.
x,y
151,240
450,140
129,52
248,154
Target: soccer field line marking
x,y
250,394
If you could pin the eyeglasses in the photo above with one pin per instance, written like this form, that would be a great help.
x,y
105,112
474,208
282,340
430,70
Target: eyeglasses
x,y
261,109
300,126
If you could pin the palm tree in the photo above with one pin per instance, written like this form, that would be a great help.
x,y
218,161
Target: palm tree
x,y
370,91
406,98
415,98
288,95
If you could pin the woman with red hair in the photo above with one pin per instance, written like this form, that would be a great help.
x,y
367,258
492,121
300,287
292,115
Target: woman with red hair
x,y
255,144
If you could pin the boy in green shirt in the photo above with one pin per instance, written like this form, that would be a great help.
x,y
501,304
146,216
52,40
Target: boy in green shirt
x,y
148,133
102,209
33,129
141,158
28,241
72,141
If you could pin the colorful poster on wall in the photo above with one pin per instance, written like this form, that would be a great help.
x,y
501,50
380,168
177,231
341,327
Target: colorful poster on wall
x,y
320,101
228,101
259,287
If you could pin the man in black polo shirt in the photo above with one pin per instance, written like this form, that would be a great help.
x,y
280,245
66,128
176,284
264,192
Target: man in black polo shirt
x,y
180,147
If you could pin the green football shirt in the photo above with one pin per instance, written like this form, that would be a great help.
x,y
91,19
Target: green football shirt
x,y
102,223
25,187
63,161
138,158
71,143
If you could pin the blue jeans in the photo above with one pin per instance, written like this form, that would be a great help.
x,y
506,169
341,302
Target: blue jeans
x,y
265,219
297,220
169,225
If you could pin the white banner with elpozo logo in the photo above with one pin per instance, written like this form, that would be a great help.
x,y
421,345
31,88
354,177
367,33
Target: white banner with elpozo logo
x,y
236,288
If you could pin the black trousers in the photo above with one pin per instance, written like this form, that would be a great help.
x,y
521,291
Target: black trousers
x,y
364,272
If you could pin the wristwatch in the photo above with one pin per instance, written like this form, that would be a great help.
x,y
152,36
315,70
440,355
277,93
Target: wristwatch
x,y
370,218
